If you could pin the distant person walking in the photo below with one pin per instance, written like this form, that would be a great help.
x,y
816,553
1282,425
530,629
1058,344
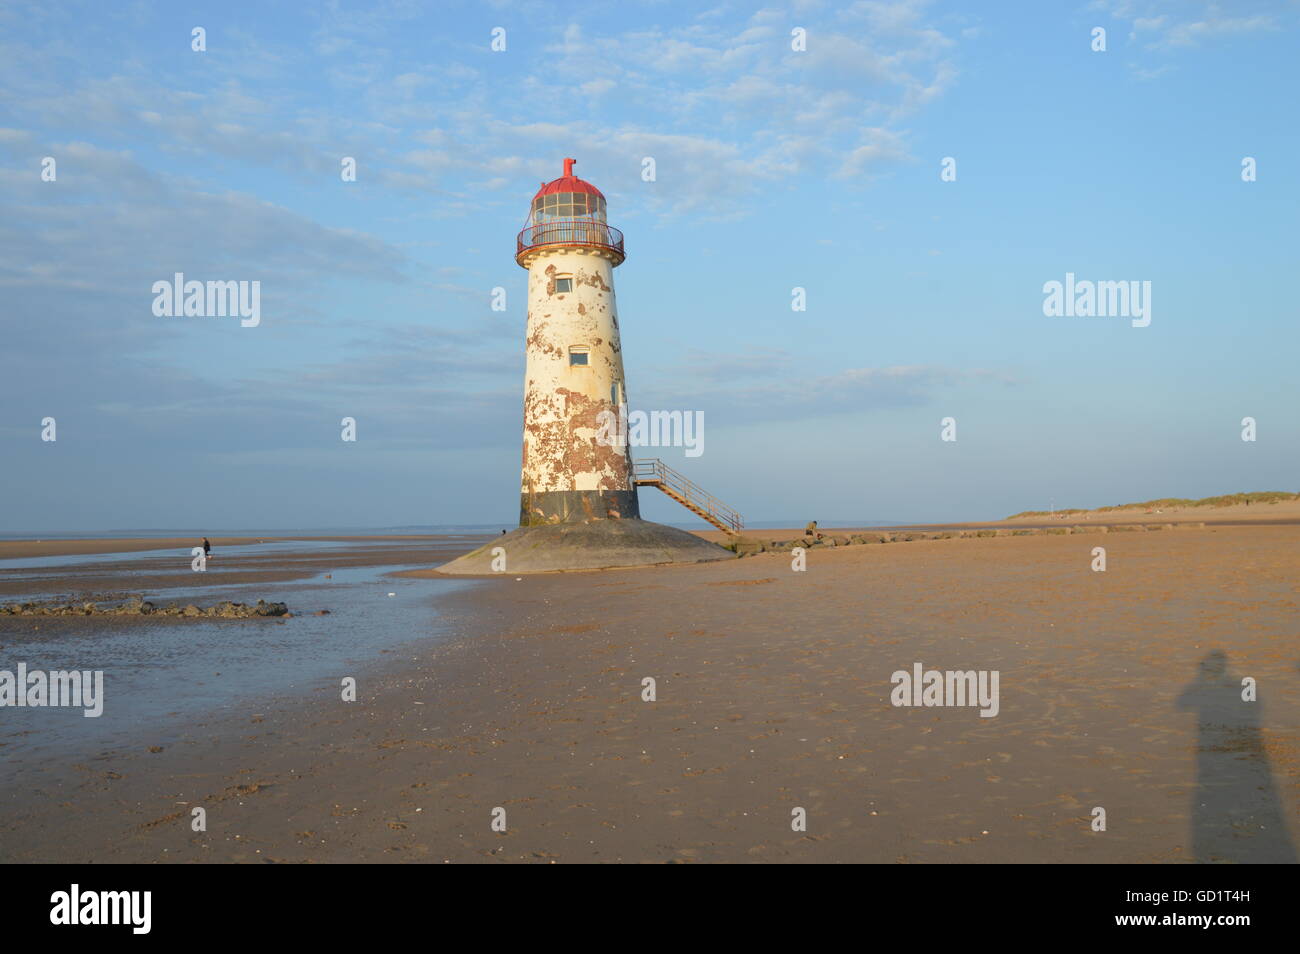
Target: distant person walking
x,y
207,548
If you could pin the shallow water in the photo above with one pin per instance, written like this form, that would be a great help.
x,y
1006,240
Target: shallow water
x,y
160,678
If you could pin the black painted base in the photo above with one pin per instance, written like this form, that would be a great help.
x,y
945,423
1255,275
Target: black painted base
x,y
577,506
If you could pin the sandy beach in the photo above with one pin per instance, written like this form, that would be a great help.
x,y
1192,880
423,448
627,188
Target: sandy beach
x,y
1118,690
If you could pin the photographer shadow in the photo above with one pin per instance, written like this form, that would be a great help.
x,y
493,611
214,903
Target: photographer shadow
x,y
1237,816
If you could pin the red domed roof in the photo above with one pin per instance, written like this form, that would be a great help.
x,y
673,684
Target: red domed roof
x,y
568,183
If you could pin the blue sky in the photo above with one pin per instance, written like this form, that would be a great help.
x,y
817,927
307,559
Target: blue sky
x,y
775,168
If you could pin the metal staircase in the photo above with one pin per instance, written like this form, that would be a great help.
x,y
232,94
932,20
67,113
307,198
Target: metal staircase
x,y
652,472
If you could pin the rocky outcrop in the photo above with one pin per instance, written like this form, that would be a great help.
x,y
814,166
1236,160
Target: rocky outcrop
x,y
748,546
138,606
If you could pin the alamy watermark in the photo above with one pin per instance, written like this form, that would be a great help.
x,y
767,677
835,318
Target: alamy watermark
x,y
1088,299
651,429
952,687
75,906
181,299
83,689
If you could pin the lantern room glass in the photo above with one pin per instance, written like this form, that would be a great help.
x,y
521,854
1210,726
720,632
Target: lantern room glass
x,y
569,205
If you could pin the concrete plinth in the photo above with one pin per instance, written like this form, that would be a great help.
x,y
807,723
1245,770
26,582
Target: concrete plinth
x,y
597,544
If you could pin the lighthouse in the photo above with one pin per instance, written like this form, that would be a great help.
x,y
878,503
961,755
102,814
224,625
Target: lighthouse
x,y
578,506
573,382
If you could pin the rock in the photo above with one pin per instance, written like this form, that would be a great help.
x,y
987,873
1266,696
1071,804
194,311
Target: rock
x,y
137,606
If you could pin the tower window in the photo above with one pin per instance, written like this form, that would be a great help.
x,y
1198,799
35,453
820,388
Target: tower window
x,y
579,357
563,285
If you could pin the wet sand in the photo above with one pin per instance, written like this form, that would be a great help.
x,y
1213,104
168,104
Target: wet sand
x,y
167,568
773,693
27,549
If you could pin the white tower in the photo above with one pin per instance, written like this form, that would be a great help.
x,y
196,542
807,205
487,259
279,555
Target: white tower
x,y
574,360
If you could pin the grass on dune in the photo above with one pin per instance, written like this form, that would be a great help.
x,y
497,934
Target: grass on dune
x,y
1169,503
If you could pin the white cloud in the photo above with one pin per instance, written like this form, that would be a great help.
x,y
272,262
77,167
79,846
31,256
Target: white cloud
x,y
1167,25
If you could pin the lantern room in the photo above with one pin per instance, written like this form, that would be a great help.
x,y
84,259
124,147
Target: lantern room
x,y
568,197
568,212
